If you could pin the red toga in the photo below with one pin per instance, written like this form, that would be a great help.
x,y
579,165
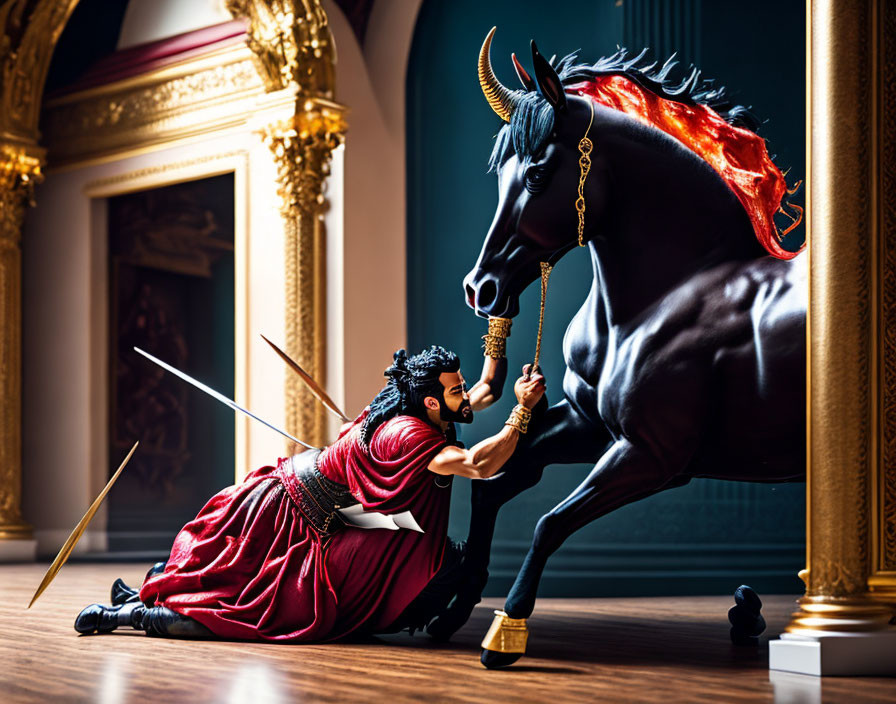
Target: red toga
x,y
250,566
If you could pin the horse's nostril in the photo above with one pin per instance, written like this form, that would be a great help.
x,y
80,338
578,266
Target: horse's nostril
x,y
487,294
471,296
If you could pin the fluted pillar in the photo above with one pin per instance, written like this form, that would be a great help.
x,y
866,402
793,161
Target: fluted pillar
x,y
302,147
294,51
28,35
851,508
19,172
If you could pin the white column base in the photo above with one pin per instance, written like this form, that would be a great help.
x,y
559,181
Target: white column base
x,y
835,653
18,550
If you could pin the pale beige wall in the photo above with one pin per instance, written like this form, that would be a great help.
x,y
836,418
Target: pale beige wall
x,y
372,310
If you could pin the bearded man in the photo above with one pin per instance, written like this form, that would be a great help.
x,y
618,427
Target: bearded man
x,y
289,554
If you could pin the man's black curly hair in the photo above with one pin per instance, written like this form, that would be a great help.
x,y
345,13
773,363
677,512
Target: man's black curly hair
x,y
411,380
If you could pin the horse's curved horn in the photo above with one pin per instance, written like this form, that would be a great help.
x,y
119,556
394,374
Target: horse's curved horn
x,y
501,99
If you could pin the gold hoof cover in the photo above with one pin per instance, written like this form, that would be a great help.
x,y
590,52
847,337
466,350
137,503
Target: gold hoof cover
x,y
506,635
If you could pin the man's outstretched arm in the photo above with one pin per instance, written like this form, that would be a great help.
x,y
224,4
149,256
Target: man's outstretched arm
x,y
487,457
488,389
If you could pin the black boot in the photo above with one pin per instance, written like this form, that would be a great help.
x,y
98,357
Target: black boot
x,y
157,568
435,596
122,593
97,618
162,621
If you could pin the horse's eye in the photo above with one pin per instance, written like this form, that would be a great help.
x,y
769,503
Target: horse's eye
x,y
536,178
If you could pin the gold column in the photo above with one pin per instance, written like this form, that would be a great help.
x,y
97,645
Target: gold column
x,y
295,54
28,34
19,171
851,517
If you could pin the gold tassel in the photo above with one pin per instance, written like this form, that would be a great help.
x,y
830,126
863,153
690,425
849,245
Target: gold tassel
x,y
545,275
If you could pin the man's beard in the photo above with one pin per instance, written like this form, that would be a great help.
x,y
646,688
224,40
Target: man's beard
x,y
463,414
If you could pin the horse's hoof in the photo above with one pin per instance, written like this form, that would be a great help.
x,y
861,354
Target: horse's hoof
x,y
505,642
747,596
746,620
743,621
494,660
741,638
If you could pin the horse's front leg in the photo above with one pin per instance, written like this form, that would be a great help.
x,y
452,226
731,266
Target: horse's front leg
x,y
624,474
561,436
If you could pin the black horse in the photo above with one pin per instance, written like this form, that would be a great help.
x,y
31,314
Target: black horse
x,y
687,359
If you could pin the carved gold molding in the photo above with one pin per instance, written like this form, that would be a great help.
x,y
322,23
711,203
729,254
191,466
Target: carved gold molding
x,y
104,185
851,510
214,91
295,55
28,34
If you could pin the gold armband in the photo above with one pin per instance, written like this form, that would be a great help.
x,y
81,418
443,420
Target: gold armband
x,y
496,339
519,418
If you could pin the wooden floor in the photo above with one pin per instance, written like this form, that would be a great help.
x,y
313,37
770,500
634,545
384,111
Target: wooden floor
x,y
629,650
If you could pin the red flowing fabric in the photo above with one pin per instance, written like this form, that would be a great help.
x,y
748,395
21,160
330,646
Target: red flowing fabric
x,y
250,566
738,155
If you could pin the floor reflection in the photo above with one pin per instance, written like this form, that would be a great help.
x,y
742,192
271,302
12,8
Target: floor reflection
x,y
791,688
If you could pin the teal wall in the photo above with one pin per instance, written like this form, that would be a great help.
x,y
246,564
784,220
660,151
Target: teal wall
x,y
709,536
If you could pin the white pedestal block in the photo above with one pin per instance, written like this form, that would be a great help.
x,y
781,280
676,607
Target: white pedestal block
x,y
18,550
832,653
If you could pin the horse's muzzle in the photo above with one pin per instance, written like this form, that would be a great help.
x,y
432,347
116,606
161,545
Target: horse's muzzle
x,y
485,297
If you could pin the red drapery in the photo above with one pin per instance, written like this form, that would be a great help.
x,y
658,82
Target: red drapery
x,y
249,566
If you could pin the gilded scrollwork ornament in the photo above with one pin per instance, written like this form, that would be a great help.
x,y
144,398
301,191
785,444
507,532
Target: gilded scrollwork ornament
x,y
302,147
292,42
20,172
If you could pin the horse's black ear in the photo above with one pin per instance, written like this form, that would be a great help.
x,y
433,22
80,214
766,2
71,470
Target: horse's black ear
x,y
548,81
523,74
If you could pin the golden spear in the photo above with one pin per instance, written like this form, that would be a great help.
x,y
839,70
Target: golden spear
x,y
69,545
314,387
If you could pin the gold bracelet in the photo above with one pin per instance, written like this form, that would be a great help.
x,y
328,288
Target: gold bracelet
x,y
519,418
496,339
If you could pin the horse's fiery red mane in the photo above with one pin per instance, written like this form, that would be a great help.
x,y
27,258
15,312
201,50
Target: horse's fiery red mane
x,y
738,155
